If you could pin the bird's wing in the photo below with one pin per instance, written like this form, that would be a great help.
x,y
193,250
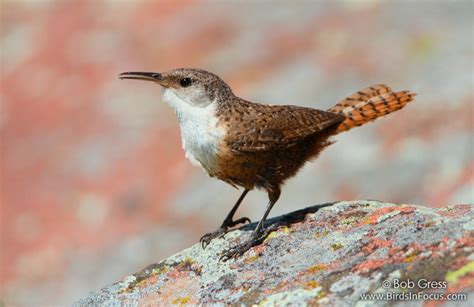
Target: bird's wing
x,y
266,127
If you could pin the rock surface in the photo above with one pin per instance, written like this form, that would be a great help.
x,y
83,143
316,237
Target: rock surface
x,y
328,254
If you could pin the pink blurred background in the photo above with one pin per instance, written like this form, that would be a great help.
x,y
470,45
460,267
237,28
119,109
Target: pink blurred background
x,y
94,184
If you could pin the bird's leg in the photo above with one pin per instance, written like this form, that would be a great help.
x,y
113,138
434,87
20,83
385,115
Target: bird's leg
x,y
241,248
228,223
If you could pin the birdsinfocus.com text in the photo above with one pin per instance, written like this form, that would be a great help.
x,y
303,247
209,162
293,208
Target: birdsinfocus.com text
x,y
409,296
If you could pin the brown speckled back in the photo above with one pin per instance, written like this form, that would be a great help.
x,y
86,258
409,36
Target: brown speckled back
x,y
267,144
256,127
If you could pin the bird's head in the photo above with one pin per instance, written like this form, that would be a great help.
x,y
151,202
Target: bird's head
x,y
194,86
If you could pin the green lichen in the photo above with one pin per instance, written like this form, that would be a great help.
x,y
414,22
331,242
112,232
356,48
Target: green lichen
x,y
349,221
321,294
324,233
275,233
449,209
159,270
452,277
187,261
336,246
270,236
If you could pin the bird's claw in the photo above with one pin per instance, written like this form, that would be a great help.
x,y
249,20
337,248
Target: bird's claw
x,y
239,249
235,251
208,237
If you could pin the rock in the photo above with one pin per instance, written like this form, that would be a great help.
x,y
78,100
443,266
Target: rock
x,y
328,254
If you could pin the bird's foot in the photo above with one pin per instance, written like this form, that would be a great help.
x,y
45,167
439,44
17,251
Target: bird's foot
x,y
207,238
240,249
221,231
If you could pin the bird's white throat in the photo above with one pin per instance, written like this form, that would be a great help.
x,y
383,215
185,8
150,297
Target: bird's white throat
x,y
200,133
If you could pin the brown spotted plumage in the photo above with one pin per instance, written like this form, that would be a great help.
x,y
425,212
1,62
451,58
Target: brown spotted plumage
x,y
253,145
267,144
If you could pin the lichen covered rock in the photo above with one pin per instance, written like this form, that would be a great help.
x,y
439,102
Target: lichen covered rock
x,y
327,254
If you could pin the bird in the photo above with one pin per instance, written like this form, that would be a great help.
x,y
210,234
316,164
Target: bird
x,y
251,145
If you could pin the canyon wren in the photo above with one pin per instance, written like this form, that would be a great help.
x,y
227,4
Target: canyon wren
x,y
252,145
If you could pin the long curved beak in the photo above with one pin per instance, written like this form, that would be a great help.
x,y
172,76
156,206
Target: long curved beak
x,y
146,76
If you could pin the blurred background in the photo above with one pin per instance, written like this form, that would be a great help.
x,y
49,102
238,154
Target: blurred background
x,y
94,184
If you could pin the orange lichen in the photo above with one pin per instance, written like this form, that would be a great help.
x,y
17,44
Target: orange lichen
x,y
316,268
373,217
251,259
311,284
411,256
375,244
370,265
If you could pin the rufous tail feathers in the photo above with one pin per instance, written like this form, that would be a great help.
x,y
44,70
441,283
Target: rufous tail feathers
x,y
369,104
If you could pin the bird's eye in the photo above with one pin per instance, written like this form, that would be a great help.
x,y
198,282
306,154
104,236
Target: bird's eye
x,y
185,82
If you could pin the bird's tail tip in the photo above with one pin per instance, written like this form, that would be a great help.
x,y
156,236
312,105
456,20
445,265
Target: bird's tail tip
x,y
369,104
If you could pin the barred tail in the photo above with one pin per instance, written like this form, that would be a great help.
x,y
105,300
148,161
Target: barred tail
x,y
369,104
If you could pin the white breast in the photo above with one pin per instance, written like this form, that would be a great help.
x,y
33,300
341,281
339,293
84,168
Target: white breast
x,y
200,134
